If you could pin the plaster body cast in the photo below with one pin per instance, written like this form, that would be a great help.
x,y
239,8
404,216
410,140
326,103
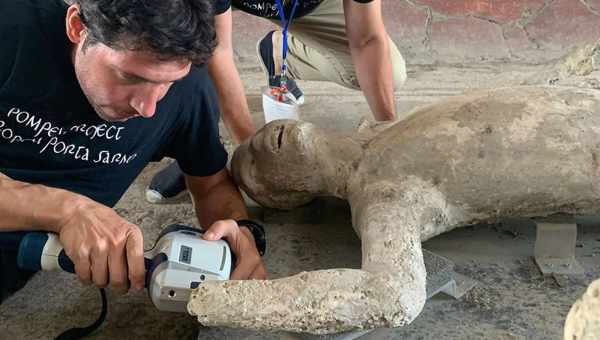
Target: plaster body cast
x,y
530,151
583,320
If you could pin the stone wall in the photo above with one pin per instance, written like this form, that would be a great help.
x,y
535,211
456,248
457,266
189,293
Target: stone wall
x,y
453,31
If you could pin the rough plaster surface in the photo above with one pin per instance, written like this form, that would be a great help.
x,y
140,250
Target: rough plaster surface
x,y
581,68
527,151
583,321
582,61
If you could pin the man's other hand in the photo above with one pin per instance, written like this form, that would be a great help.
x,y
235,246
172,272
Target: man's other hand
x,y
249,264
105,249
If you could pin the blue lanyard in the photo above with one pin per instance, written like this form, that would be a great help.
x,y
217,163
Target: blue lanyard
x,y
285,23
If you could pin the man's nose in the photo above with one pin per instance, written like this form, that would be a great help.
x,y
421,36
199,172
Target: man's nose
x,y
144,101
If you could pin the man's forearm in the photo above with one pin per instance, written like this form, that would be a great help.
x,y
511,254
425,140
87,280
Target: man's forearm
x,y
219,206
374,72
218,202
232,98
25,206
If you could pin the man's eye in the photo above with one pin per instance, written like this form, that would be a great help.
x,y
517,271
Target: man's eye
x,y
129,79
132,80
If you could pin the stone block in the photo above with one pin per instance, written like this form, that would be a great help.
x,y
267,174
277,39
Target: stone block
x,y
555,248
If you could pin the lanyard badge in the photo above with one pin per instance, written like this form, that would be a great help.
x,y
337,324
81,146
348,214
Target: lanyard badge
x,y
277,102
285,23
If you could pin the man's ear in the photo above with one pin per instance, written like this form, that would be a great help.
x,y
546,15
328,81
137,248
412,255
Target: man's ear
x,y
75,28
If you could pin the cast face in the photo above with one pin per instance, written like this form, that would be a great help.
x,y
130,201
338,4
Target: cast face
x,y
279,166
125,84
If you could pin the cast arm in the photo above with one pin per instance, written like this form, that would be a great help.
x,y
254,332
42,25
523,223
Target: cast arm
x,y
369,47
230,89
389,290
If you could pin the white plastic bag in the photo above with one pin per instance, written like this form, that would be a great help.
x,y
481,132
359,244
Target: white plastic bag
x,y
275,109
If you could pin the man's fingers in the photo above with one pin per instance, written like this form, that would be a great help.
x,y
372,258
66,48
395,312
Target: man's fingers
x,y
245,266
260,273
241,243
82,268
242,271
135,258
99,260
221,229
117,268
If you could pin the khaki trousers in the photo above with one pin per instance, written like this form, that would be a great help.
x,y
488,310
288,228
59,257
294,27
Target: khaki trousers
x,y
319,50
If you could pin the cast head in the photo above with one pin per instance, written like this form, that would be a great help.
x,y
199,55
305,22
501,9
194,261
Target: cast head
x,y
281,166
128,53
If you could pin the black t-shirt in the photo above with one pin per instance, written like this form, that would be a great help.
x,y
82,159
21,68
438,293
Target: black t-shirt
x,y
268,8
49,133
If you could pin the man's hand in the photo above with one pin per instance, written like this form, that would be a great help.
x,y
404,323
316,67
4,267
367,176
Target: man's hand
x,y
105,248
240,239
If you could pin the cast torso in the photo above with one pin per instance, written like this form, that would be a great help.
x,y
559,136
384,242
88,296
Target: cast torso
x,y
507,152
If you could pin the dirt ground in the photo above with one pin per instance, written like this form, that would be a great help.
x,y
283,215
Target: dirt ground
x,y
511,301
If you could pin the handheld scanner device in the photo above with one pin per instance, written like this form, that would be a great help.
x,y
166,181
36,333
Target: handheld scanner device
x,y
179,261
182,261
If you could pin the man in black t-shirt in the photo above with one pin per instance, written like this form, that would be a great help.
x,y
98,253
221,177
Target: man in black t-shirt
x,y
342,41
89,94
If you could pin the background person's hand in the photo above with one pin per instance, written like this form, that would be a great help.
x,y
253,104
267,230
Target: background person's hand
x,y
249,264
105,249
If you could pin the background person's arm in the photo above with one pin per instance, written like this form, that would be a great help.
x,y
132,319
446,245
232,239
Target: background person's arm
x,y
105,248
218,204
232,98
369,47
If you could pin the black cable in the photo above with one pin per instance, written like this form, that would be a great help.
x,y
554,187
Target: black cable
x,y
80,332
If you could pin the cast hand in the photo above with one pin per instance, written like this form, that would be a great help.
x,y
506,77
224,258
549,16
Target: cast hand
x,y
105,248
248,265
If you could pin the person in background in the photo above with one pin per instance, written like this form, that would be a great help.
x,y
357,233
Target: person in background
x,y
342,41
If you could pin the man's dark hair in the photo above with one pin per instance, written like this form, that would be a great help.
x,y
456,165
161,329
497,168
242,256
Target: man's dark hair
x,y
170,29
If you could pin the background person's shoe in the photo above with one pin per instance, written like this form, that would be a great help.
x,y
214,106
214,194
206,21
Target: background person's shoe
x,y
265,53
167,186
